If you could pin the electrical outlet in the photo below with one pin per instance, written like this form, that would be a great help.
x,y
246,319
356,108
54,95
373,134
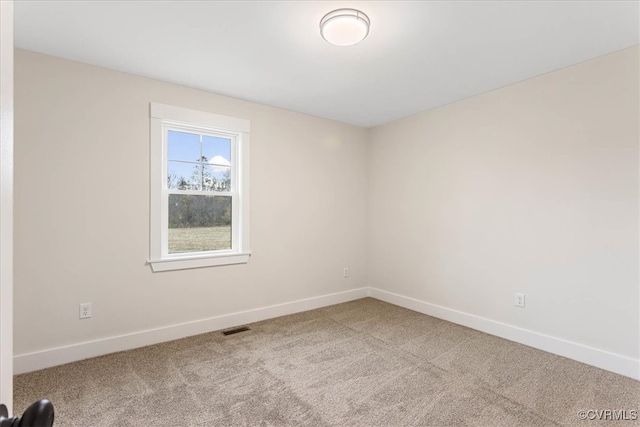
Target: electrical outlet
x,y
345,272
85,310
519,300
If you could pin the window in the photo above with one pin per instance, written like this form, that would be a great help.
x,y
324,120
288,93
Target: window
x,y
199,189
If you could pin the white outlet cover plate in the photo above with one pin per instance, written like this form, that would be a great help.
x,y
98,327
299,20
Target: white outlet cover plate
x,y
85,311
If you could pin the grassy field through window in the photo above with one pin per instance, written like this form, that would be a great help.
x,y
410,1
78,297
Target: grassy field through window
x,y
198,239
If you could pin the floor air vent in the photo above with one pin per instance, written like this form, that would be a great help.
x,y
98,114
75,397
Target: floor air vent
x,y
235,331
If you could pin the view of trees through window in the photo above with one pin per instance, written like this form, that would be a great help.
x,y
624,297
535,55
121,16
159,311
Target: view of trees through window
x,y
198,164
202,177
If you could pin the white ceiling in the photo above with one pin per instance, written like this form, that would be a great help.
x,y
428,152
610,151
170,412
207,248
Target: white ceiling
x,y
418,55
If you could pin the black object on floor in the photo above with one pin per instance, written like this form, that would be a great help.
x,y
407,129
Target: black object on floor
x,y
235,331
38,414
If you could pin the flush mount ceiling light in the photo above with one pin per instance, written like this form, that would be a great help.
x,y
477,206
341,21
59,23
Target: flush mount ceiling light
x,y
344,27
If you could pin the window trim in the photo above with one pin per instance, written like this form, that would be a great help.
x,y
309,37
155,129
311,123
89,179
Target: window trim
x,y
162,116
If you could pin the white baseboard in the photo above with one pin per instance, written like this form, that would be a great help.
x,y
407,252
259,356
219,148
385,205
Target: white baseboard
x,y
58,356
592,356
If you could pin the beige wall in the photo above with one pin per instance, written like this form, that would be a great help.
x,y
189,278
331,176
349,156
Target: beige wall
x,y
82,207
531,188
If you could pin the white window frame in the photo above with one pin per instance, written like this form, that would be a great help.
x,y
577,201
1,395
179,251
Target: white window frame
x,y
164,118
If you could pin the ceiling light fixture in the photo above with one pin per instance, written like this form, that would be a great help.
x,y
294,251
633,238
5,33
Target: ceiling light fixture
x,y
344,27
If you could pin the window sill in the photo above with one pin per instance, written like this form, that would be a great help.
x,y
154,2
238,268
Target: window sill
x,y
187,262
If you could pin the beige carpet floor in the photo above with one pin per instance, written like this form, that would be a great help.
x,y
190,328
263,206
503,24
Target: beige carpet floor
x,y
362,363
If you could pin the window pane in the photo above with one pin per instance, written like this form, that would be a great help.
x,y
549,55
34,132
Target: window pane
x,y
217,163
183,146
216,150
183,176
199,223
216,178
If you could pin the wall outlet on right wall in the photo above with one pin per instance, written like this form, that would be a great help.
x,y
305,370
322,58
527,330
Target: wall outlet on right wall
x,y
85,310
519,300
